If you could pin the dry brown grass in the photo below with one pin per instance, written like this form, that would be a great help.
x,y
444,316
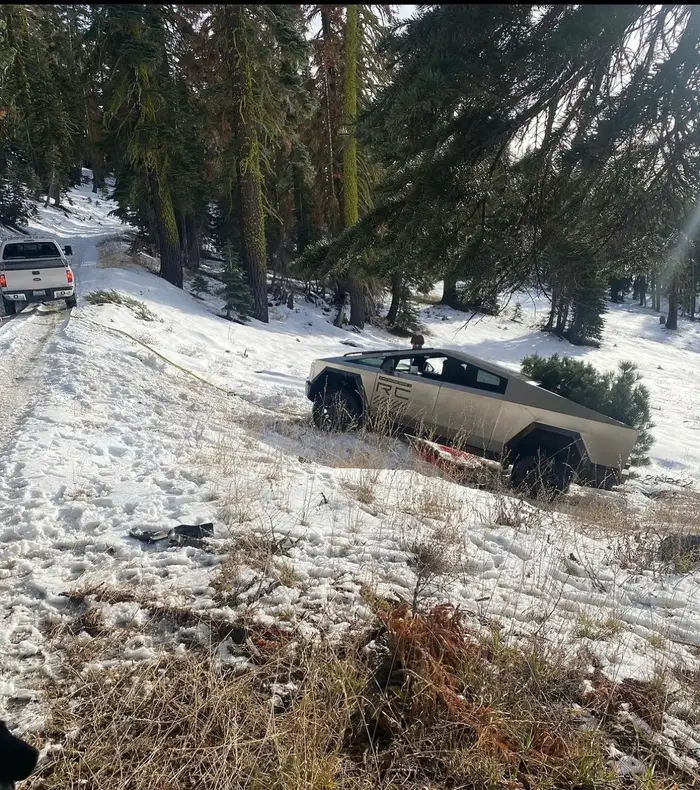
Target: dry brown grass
x,y
89,618
671,512
421,701
431,498
183,722
363,485
437,559
675,513
254,567
651,538
137,307
600,515
122,253
648,699
505,509
598,627
114,254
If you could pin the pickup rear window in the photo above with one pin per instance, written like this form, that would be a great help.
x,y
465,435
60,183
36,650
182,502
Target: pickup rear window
x,y
30,250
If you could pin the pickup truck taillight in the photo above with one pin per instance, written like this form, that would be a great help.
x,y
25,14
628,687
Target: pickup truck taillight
x,y
69,276
3,281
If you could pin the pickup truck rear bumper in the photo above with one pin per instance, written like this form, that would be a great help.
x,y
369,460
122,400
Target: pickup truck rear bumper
x,y
39,295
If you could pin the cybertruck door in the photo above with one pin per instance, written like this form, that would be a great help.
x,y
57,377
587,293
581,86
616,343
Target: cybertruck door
x,y
405,396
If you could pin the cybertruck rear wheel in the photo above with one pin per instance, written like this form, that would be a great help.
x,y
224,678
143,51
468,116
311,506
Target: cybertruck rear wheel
x,y
540,476
337,410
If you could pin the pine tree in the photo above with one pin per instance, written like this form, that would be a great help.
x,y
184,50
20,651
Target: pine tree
x,y
351,211
588,309
407,319
139,122
238,299
247,50
200,285
325,123
672,315
619,395
38,129
348,64
470,87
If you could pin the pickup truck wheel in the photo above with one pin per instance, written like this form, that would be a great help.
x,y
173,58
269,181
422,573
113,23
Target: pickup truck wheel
x,y
72,301
10,306
538,475
337,410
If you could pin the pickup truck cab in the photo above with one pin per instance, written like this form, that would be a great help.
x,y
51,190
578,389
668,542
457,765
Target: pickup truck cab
x,y
35,270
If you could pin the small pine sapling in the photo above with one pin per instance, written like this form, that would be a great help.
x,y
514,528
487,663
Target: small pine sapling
x,y
238,299
200,285
617,394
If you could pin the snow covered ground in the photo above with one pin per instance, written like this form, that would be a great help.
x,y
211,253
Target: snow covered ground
x,y
121,417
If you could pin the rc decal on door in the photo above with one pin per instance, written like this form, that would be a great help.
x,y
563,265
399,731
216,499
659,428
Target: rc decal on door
x,y
391,392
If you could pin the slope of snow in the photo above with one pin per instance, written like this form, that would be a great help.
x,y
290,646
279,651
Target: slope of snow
x,y
189,418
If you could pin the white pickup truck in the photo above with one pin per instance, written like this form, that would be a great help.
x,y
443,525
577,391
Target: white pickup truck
x,y
35,270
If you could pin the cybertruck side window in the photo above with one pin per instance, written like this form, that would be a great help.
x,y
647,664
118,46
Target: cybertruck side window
x,y
372,362
426,365
490,381
465,375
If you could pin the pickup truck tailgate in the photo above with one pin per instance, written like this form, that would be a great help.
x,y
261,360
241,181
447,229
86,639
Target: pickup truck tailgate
x,y
33,275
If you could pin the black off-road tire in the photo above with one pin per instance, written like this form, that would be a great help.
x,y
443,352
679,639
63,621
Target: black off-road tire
x,y
10,306
540,476
72,301
337,410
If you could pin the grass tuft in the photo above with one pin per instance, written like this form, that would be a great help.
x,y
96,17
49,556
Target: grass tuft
x,y
138,308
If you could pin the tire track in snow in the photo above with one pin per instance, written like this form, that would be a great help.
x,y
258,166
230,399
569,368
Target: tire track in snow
x,y
22,367
24,358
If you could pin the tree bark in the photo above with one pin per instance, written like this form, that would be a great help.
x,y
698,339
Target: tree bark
x,y
396,287
341,298
253,233
655,294
562,316
166,229
331,95
351,206
691,311
49,191
552,312
672,317
449,291
182,235
245,116
249,177
358,312
301,211
98,181
194,251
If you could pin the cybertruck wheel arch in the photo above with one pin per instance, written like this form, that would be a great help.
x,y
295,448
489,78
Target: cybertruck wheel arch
x,y
330,379
560,442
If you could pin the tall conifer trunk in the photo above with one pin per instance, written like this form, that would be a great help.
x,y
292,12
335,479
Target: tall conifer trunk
x,y
672,317
251,214
351,209
166,229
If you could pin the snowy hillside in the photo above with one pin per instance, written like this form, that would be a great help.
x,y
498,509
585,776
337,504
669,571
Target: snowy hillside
x,y
157,412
